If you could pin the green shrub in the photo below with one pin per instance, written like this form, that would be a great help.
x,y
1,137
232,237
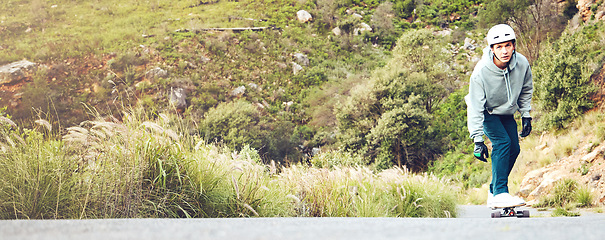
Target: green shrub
x,y
562,80
234,124
584,197
567,193
564,212
389,118
36,176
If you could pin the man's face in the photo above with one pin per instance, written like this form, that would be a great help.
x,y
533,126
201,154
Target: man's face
x,y
503,51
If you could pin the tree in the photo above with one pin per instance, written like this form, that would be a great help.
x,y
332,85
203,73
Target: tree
x,y
562,78
382,23
389,119
534,21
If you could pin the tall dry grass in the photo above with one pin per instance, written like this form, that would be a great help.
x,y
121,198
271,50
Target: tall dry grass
x,y
141,167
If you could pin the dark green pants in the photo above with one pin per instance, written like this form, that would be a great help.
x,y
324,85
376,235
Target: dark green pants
x,y
502,132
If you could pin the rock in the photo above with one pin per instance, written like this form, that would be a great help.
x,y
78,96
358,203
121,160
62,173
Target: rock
x,y
584,9
444,32
254,86
302,59
527,189
599,15
157,73
282,65
296,68
539,183
15,72
362,28
357,15
304,16
315,151
142,84
238,91
287,105
178,98
531,180
468,44
190,65
541,147
336,31
594,154
204,59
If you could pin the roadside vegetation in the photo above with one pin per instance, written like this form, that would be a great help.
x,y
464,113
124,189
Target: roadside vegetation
x,y
292,120
567,195
143,168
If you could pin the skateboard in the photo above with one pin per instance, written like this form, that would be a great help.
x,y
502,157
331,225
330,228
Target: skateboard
x,y
509,212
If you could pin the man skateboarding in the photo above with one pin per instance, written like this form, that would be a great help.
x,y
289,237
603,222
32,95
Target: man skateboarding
x,y
501,85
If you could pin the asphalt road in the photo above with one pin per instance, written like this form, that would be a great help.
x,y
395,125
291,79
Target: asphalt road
x,y
474,223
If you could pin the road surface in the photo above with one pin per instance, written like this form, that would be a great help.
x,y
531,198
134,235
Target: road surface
x,y
474,223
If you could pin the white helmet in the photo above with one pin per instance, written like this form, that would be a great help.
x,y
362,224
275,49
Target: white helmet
x,y
500,33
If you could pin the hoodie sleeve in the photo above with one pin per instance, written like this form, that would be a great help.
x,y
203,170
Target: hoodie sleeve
x,y
525,96
475,102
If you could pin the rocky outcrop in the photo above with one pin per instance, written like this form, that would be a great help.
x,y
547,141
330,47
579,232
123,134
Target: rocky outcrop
x,y
16,72
586,167
586,11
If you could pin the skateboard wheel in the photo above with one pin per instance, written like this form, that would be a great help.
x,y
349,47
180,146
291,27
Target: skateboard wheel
x,y
496,215
525,213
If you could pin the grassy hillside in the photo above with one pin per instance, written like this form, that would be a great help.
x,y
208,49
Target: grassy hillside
x,y
382,98
99,54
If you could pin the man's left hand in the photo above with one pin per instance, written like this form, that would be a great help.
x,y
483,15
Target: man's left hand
x,y
526,124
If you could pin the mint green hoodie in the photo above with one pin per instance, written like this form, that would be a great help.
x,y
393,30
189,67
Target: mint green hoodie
x,y
498,91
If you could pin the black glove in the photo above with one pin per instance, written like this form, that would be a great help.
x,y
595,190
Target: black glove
x,y
526,123
480,151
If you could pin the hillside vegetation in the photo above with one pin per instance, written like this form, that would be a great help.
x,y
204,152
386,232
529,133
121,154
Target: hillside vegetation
x,y
101,129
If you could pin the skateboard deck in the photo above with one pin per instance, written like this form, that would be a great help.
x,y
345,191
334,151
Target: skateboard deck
x,y
509,212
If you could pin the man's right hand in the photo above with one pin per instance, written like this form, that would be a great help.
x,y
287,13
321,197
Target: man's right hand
x,y
480,151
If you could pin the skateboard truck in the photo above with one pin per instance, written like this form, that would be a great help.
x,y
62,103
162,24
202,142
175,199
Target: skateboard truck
x,y
510,212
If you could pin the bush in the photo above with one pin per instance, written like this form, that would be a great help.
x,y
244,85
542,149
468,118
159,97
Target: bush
x,y
389,119
234,124
566,193
562,80
239,123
